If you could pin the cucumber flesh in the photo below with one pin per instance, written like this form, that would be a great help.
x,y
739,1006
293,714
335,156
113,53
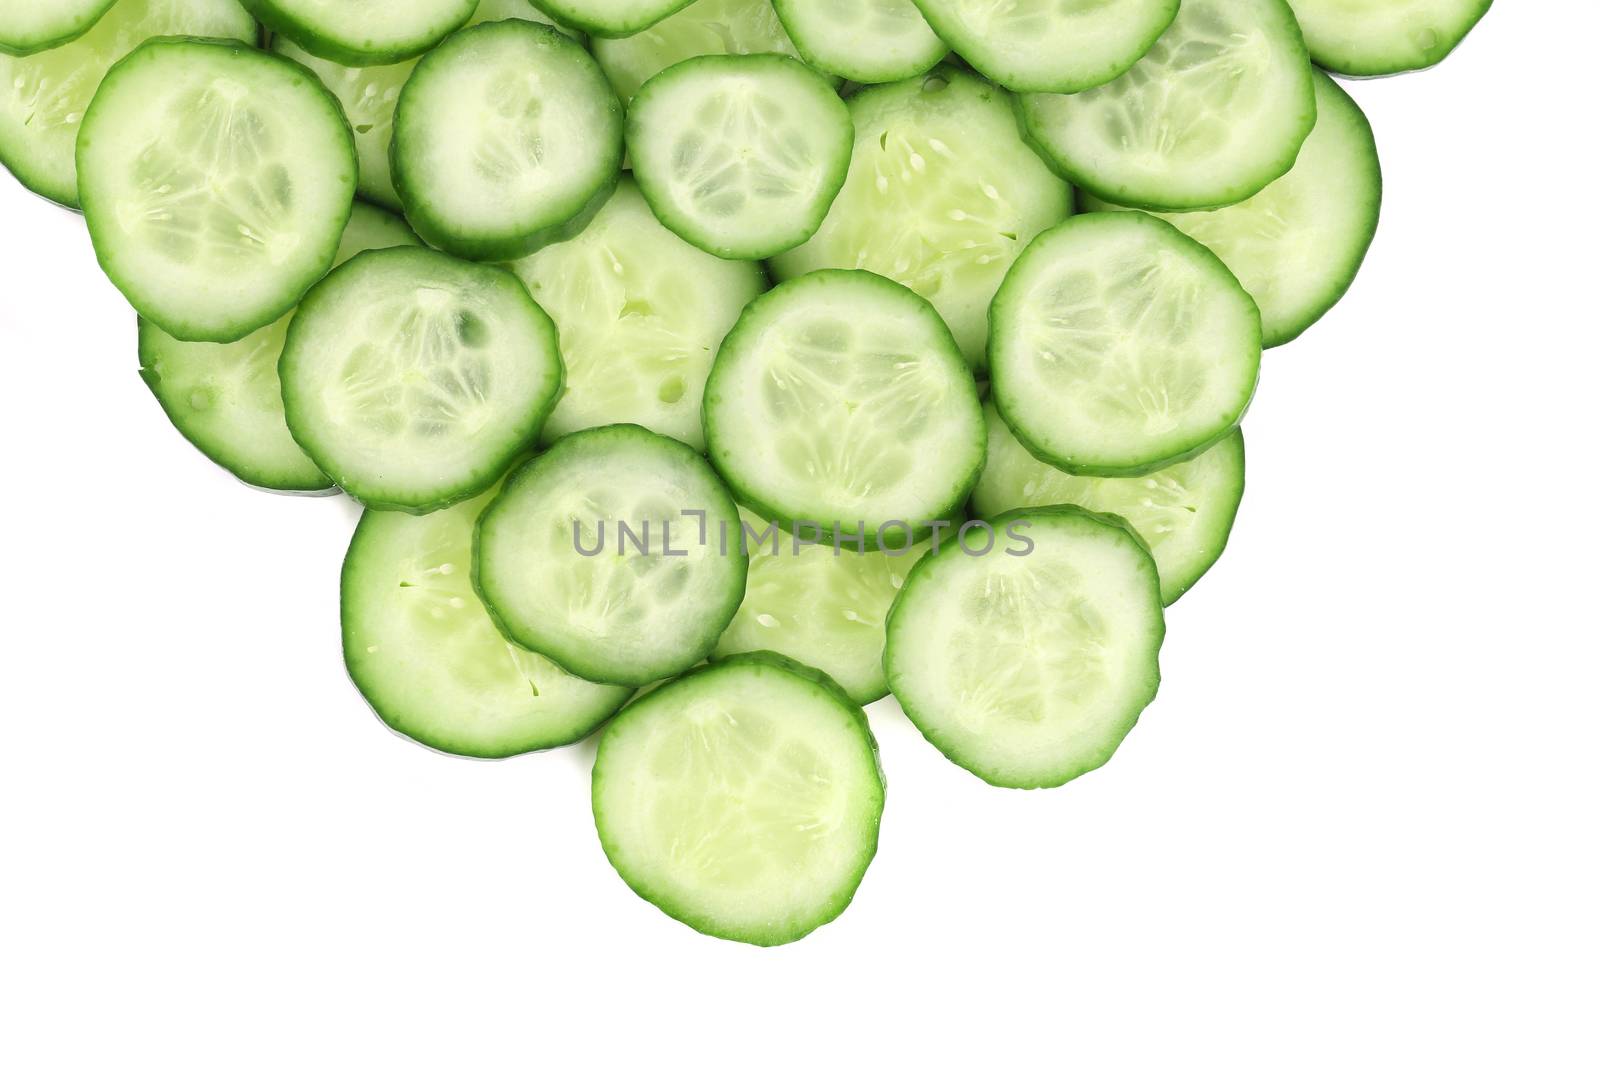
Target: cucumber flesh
x,y
611,18
942,196
29,26
703,28
1368,38
364,33
866,41
740,155
742,800
1183,512
43,97
641,313
1029,670
1120,346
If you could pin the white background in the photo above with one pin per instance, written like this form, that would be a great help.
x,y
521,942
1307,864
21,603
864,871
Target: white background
x,y
1358,825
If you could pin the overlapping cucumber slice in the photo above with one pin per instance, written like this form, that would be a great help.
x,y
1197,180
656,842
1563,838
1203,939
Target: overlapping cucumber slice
x,y
1374,37
703,28
866,41
364,32
611,18
29,26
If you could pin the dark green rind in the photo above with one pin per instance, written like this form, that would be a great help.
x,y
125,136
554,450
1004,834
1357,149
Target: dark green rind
x,y
794,28
556,223
350,53
928,564
1354,67
658,196
34,45
571,14
835,906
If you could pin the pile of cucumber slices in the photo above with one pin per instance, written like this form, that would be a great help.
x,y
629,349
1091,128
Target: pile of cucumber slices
x,y
712,369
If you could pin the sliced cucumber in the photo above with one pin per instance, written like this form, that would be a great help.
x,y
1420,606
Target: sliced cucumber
x,y
506,139
1047,46
1296,245
866,41
641,313
1374,37
1214,113
227,399
29,26
1029,669
414,379
216,181
611,18
742,800
841,400
423,651
740,155
1121,346
608,554
703,28
942,195
364,32
43,97
1183,512
820,604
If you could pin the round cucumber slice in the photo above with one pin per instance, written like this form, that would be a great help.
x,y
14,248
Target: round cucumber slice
x,y
29,26
414,379
606,554
506,139
1029,669
866,41
641,313
1216,111
43,96
703,28
1184,512
611,18
740,155
364,32
227,398
1121,346
1366,38
216,181
1050,46
424,653
742,800
1296,245
841,400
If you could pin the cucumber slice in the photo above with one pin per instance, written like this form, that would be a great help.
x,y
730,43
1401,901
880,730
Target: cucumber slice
x,y
641,313
866,41
1184,512
841,400
43,97
227,399
1296,245
1050,46
1214,113
364,32
1121,346
29,26
819,604
740,155
423,651
216,181
414,379
1029,670
942,195
703,28
742,800
1365,38
561,577
506,139
611,18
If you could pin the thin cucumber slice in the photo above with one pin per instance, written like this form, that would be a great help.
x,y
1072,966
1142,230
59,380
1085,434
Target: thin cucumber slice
x,y
1028,668
820,604
29,26
1184,512
866,41
641,313
364,32
608,554
1050,46
1367,38
216,182
414,379
1121,346
1214,113
740,155
611,18
423,651
227,399
1296,245
43,97
841,400
703,28
941,197
506,138
742,800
